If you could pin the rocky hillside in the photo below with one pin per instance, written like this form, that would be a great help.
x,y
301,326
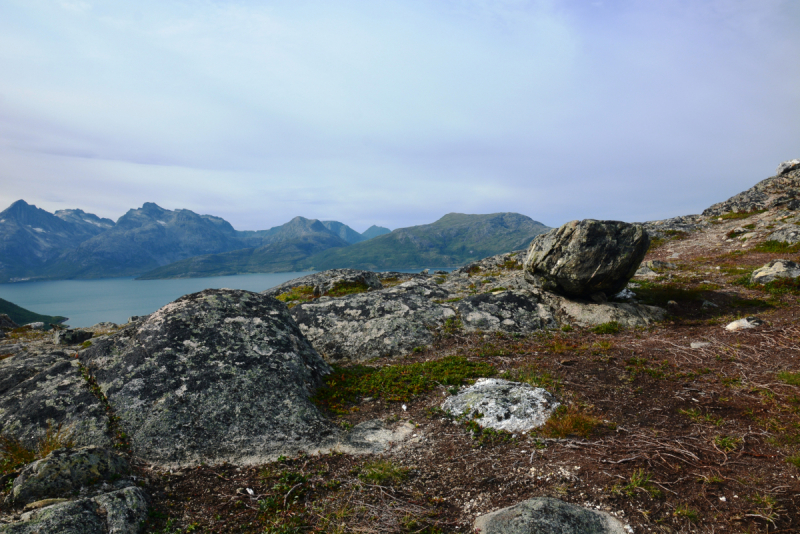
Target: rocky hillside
x,y
517,393
36,244
31,238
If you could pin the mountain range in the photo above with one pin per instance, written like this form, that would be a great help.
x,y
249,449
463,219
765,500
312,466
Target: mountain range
x,y
153,242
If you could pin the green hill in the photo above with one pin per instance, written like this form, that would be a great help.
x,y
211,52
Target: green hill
x,y
22,316
453,240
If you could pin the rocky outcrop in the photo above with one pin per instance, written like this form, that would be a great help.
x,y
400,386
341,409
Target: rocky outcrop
x,y
220,375
71,337
503,405
775,270
505,311
787,166
65,471
788,234
118,512
370,325
586,314
586,259
545,515
780,191
38,391
326,281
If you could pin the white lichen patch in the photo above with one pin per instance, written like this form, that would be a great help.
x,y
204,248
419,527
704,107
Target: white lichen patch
x,y
503,405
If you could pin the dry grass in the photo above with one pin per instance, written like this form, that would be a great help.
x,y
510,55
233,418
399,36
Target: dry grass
x,y
14,454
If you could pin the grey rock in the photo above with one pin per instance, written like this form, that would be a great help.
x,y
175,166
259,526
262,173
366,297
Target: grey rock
x,y
37,390
699,344
584,258
787,166
118,512
545,515
6,323
775,270
220,375
71,337
666,228
63,472
36,326
787,234
327,280
359,327
586,314
505,311
503,405
774,192
709,304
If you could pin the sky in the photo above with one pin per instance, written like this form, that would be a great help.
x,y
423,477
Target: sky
x,y
395,112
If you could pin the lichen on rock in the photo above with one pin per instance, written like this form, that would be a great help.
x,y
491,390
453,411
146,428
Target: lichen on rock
x,y
219,375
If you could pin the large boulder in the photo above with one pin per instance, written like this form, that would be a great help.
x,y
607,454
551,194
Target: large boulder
x,y
359,327
587,259
545,515
220,375
787,234
38,391
775,270
118,512
64,472
503,405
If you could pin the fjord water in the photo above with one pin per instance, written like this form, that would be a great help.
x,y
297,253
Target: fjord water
x,y
88,302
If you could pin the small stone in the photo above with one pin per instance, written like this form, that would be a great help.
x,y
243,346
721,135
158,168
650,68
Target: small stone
x,y
709,304
672,303
775,270
700,344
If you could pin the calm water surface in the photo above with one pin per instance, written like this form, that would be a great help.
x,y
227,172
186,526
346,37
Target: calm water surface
x,y
88,302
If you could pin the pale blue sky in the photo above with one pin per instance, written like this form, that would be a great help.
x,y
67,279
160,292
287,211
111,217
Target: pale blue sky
x,y
395,112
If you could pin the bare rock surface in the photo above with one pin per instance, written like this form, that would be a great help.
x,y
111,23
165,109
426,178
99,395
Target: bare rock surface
x,y
503,405
581,313
586,258
64,472
37,390
505,311
788,234
71,336
545,515
787,166
775,270
220,375
371,325
117,512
